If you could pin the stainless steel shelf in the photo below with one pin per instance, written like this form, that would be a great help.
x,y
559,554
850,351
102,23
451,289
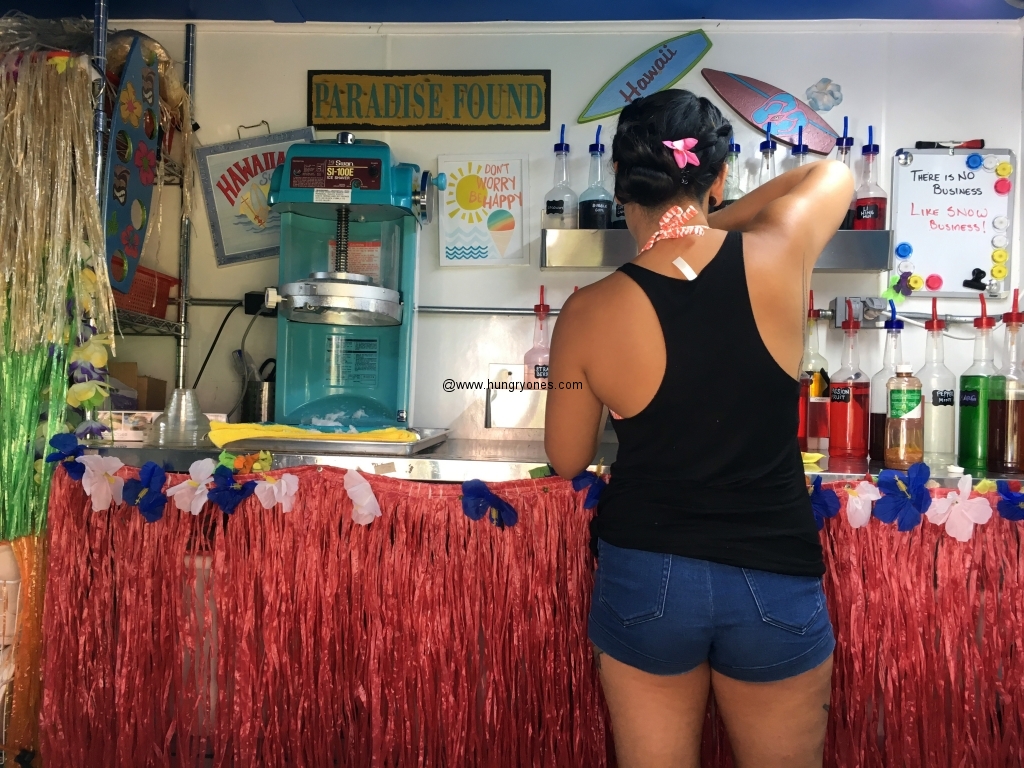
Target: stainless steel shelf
x,y
582,249
130,323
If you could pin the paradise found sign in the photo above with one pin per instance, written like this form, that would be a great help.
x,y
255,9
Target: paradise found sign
x,y
397,100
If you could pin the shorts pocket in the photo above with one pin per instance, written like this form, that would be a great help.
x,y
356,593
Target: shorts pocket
x,y
788,602
633,583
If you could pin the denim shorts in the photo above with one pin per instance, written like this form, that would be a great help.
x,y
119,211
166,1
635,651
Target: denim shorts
x,y
666,615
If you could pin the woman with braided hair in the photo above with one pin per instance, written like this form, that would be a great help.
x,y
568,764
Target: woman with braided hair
x,y
708,560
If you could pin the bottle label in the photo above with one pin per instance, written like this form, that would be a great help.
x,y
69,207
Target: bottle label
x,y
944,397
841,394
818,387
969,398
555,207
595,214
905,404
540,371
620,211
867,212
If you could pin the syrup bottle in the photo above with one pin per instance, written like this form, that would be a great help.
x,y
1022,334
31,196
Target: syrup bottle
x,y
974,390
871,200
768,147
848,409
814,388
939,391
596,202
892,356
1006,401
536,360
800,149
733,188
561,206
904,424
844,145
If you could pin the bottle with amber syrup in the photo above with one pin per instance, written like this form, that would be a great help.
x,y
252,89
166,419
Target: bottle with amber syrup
x,y
904,424
1006,401
848,407
892,356
814,388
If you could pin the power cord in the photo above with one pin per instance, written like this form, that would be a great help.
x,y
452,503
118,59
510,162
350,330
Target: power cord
x,y
245,365
195,384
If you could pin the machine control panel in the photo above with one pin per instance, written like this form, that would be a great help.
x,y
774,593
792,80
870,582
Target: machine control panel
x,y
334,173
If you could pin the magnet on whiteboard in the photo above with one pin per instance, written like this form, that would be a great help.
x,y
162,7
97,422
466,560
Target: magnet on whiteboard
x,y
1003,186
933,282
998,271
990,162
1004,169
916,282
1000,223
999,256
999,241
974,161
903,250
904,267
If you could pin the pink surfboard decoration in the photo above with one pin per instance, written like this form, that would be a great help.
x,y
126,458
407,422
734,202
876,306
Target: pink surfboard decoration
x,y
759,103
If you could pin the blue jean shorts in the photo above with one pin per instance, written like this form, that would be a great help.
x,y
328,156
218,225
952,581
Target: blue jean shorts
x,y
666,615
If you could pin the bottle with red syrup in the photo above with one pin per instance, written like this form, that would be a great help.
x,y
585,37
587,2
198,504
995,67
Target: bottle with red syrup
x,y
844,154
974,390
872,202
814,388
848,409
1006,401
892,356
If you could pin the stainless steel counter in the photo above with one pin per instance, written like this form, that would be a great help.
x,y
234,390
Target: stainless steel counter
x,y
452,461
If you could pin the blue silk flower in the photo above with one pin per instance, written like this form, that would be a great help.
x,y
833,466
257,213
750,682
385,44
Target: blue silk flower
x,y
146,493
594,484
904,496
226,493
1011,505
824,502
478,500
66,450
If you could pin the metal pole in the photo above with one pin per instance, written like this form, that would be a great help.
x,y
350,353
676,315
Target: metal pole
x,y
99,57
185,241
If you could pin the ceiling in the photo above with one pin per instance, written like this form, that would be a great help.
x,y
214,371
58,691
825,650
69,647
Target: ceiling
x,y
520,10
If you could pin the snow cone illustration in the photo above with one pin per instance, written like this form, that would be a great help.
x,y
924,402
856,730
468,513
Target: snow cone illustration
x,y
501,224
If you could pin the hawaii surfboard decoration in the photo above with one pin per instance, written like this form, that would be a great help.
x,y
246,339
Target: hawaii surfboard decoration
x,y
653,70
760,103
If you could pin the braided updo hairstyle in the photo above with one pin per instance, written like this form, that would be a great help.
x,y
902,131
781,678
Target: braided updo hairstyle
x,y
646,172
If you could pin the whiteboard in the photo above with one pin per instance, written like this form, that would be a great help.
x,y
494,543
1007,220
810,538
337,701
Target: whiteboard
x,y
952,214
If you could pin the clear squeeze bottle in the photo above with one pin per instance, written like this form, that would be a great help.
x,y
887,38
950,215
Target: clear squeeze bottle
x,y
733,187
596,202
844,145
536,360
768,147
904,426
814,386
1006,401
561,206
974,389
848,409
938,386
871,200
800,149
892,356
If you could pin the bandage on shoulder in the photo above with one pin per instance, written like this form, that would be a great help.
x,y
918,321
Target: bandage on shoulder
x,y
685,268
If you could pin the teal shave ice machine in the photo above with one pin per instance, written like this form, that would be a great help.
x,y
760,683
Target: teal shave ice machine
x,y
349,218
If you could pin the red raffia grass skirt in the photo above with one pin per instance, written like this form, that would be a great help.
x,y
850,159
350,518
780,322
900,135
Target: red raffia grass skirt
x,y
425,638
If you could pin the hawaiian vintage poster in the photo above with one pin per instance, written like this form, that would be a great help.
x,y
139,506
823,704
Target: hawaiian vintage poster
x,y
482,219
235,177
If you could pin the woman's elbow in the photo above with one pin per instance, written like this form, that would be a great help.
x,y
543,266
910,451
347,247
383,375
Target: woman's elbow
x,y
567,466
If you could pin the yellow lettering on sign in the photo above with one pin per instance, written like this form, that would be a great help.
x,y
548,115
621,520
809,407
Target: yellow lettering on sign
x,y
339,100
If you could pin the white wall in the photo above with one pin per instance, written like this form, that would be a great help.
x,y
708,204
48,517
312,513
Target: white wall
x,y
911,80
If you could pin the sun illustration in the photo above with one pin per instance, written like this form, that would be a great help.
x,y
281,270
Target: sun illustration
x,y
468,194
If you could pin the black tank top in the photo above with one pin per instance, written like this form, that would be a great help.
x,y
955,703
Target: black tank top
x,y
711,468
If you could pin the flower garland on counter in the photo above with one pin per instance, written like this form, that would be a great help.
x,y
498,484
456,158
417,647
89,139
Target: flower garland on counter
x,y
209,482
